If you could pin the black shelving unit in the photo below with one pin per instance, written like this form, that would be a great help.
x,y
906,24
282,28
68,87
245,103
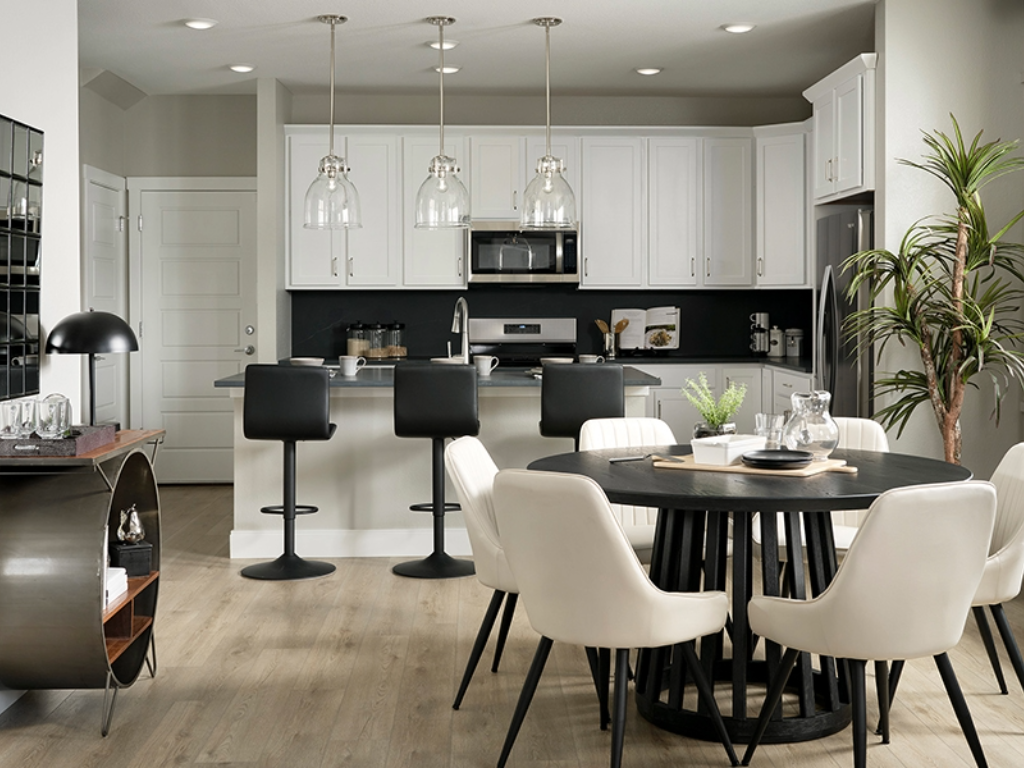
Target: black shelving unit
x,y
21,198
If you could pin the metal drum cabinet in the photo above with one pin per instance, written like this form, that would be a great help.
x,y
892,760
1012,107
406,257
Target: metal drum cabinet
x,y
57,517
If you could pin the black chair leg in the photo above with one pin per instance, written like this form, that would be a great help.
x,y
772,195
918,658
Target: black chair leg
x,y
478,645
707,695
525,697
882,690
438,564
990,646
506,623
771,701
600,685
860,713
619,704
963,714
894,680
1012,650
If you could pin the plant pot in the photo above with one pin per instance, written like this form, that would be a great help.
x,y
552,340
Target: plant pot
x,y
702,429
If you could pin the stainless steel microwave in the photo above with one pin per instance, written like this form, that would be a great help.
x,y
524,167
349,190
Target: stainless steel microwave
x,y
500,252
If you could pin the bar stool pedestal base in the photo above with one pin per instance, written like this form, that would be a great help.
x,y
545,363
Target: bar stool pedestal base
x,y
439,565
288,567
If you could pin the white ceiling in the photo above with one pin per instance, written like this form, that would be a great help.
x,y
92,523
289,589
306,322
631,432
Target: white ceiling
x,y
384,46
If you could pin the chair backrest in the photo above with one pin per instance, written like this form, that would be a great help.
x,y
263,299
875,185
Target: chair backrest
x,y
435,400
577,574
861,435
285,402
907,582
472,472
627,433
1005,567
572,394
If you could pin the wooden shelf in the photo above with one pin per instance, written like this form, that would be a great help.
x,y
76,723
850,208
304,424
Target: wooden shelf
x,y
135,585
118,645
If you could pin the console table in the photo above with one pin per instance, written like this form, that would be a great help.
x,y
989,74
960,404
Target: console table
x,y
57,518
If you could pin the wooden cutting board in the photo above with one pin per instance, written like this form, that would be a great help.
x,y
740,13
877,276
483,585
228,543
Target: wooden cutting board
x,y
814,468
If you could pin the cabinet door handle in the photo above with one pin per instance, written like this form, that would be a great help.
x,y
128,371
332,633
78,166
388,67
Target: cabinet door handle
x,y
460,266
760,267
693,267
334,266
351,266
707,267
515,202
659,409
586,267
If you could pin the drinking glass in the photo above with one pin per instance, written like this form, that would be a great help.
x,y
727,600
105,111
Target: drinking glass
x,y
54,417
10,419
769,426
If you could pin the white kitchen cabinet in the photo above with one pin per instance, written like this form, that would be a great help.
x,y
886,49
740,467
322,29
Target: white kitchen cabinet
x,y
668,403
612,236
728,209
784,384
433,258
374,251
781,210
313,256
844,130
498,179
751,376
368,257
673,212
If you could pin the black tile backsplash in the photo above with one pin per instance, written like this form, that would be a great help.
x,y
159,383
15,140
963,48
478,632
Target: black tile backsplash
x,y
713,322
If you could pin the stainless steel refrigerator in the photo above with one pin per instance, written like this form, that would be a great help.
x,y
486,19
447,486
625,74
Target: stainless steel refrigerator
x,y
838,368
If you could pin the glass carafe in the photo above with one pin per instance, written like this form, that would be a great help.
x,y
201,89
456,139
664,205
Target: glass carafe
x,y
810,427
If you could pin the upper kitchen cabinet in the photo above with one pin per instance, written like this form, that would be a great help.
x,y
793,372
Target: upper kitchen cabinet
x,y
844,130
368,257
611,214
498,181
781,207
673,212
728,186
434,258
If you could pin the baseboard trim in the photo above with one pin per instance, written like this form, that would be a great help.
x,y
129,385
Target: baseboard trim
x,y
384,542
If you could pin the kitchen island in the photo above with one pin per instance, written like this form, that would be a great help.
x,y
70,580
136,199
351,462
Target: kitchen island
x,y
364,478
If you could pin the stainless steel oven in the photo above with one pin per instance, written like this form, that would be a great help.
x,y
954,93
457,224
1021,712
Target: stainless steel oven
x,y
500,252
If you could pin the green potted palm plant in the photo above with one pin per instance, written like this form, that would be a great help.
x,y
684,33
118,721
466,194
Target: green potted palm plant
x,y
717,413
952,290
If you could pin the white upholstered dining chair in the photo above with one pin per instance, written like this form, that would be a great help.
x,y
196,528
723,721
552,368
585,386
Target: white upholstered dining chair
x,y
581,583
902,592
637,522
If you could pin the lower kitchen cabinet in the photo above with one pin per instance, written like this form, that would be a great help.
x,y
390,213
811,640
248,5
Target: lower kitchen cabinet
x,y
784,384
751,376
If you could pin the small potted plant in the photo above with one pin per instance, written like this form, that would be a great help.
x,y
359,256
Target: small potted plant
x,y
716,414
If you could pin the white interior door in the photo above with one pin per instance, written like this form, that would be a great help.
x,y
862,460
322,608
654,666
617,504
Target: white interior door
x,y
105,289
197,281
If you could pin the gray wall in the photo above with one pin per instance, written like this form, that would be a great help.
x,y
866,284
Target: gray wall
x,y
939,57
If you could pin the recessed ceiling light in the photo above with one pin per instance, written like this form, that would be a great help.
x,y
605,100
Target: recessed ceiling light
x,y
738,28
200,23
648,70
448,44
242,68
448,70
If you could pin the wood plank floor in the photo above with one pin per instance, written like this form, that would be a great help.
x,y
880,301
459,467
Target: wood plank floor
x,y
360,669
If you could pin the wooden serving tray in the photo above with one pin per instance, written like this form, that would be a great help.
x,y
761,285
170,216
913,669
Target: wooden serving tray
x,y
814,468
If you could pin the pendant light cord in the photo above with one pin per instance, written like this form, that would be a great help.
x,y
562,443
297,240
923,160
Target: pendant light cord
x,y
441,77
331,150
547,70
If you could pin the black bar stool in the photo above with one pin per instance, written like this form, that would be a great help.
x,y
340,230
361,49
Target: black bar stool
x,y
437,401
572,394
288,404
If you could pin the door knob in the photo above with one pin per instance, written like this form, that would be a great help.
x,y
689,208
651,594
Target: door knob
x,y
249,349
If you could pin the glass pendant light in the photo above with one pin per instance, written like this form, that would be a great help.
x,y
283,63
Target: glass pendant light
x,y
548,202
442,201
331,200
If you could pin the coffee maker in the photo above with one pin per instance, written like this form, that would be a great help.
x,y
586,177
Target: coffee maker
x,y
759,333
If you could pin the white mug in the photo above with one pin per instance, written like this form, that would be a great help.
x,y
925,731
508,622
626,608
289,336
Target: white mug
x,y
591,359
350,364
485,364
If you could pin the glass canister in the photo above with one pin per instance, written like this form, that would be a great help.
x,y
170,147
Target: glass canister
x,y
377,344
357,340
394,338
810,427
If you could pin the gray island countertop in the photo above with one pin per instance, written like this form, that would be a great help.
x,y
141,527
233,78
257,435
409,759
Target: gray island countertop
x,y
511,376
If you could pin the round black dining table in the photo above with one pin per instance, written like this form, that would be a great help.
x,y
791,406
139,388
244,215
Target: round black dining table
x,y
690,554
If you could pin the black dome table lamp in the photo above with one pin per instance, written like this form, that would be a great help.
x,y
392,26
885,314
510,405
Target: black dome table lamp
x,y
91,333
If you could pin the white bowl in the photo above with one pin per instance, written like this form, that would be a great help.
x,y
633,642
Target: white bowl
x,y
724,450
306,360
554,360
448,360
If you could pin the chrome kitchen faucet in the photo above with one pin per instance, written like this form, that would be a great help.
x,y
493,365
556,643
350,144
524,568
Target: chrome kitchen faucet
x,y
460,324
